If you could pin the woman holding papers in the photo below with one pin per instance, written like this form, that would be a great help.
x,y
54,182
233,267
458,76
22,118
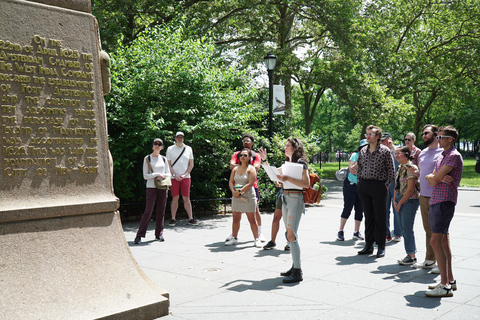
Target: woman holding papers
x,y
244,199
295,177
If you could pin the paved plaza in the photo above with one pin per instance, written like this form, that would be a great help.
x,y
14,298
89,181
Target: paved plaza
x,y
207,280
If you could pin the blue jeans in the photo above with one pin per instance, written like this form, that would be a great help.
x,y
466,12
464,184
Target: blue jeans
x,y
408,212
292,209
397,221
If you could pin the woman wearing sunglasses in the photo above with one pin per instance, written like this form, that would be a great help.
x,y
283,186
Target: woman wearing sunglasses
x,y
244,198
410,139
406,202
293,205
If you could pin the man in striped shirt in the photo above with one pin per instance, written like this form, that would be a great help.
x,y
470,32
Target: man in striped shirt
x,y
445,180
375,173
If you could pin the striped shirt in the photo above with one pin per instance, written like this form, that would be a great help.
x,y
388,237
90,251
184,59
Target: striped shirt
x,y
376,165
443,192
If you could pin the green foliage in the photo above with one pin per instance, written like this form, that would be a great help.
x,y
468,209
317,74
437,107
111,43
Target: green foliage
x,y
164,82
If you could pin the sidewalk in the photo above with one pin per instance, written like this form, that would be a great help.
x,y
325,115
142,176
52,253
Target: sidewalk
x,y
207,280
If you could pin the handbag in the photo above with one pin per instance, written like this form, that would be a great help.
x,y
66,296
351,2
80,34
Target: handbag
x,y
342,174
313,195
160,184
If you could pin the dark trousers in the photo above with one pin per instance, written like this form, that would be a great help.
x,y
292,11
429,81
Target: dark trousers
x,y
373,195
351,200
153,195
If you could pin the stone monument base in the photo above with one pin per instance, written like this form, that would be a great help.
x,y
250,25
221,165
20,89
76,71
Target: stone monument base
x,y
74,267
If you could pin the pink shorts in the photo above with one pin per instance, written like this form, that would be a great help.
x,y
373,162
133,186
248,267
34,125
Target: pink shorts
x,y
180,187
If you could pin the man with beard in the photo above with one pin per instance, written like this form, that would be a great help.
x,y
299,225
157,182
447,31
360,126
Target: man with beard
x,y
426,165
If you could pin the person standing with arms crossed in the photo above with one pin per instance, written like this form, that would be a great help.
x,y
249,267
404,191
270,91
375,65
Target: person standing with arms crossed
x,y
445,180
180,161
426,165
375,173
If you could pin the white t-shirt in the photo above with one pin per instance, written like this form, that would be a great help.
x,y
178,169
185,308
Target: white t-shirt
x,y
159,166
182,164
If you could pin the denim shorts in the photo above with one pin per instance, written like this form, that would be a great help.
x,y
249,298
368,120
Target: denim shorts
x,y
440,215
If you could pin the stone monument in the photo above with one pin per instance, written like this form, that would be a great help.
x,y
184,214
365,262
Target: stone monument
x,y
63,254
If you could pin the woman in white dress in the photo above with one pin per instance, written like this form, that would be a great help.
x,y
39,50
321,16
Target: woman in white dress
x,y
244,199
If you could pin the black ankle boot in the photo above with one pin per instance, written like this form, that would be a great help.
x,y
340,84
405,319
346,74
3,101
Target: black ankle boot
x,y
295,276
287,273
367,250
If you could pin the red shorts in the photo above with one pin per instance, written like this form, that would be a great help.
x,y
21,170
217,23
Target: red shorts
x,y
180,187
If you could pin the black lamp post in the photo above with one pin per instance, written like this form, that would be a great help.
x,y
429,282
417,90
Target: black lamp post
x,y
270,61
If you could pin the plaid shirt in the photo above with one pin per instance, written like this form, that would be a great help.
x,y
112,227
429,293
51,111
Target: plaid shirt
x,y
376,165
443,192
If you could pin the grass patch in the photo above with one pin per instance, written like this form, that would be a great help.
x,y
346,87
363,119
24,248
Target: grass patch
x,y
469,177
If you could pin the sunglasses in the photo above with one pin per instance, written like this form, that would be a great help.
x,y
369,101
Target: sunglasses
x,y
409,140
440,138
157,144
244,155
426,133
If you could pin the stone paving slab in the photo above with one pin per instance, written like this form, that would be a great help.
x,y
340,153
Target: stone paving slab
x,y
207,280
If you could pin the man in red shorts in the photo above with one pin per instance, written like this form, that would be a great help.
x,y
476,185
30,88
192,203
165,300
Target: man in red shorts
x,y
180,160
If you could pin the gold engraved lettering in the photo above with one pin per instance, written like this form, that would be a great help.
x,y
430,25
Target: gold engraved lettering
x,y
12,140
25,68
7,119
31,90
8,109
32,100
5,87
5,66
15,151
74,131
85,169
75,93
9,99
77,151
16,130
15,172
47,71
46,111
21,162
47,51
39,80
62,170
92,160
42,120
56,141
14,57
92,151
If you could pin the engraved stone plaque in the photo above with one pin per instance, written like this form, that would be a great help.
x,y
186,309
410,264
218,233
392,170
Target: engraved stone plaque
x,y
63,254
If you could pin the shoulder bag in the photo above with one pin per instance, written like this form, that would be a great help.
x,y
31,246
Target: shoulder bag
x,y
160,184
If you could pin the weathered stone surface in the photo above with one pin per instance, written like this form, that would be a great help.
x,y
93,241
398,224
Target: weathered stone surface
x,y
63,253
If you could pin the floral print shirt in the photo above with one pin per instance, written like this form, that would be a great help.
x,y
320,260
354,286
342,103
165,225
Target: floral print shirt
x,y
401,180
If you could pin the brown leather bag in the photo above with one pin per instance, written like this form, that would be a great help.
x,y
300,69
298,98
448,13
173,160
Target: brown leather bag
x,y
310,195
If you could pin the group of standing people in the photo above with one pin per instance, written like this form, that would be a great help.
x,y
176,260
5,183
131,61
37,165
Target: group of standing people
x,y
413,178
380,176
176,166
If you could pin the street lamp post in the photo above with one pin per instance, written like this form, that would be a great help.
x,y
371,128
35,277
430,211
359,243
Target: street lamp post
x,y
270,61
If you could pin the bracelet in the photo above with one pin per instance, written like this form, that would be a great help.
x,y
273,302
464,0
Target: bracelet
x,y
264,160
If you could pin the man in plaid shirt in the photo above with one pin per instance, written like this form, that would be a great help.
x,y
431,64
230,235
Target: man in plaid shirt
x,y
445,180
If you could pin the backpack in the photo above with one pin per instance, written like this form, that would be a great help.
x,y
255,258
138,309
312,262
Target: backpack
x,y
342,174
313,195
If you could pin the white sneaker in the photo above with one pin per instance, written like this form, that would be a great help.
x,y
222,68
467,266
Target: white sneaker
x,y
230,237
435,270
261,238
452,284
231,242
427,264
257,243
440,291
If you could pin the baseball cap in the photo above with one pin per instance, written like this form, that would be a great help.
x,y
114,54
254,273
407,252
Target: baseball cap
x,y
386,135
179,133
158,140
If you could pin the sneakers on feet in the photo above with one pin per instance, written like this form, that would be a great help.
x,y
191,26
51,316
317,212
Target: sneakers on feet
x,y
231,242
192,222
257,243
159,238
453,284
340,236
358,236
388,239
440,291
427,264
262,238
270,245
230,237
287,247
397,239
172,223
435,270
137,240
407,261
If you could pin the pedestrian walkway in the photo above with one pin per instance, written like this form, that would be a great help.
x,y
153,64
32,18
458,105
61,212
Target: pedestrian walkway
x,y
207,280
